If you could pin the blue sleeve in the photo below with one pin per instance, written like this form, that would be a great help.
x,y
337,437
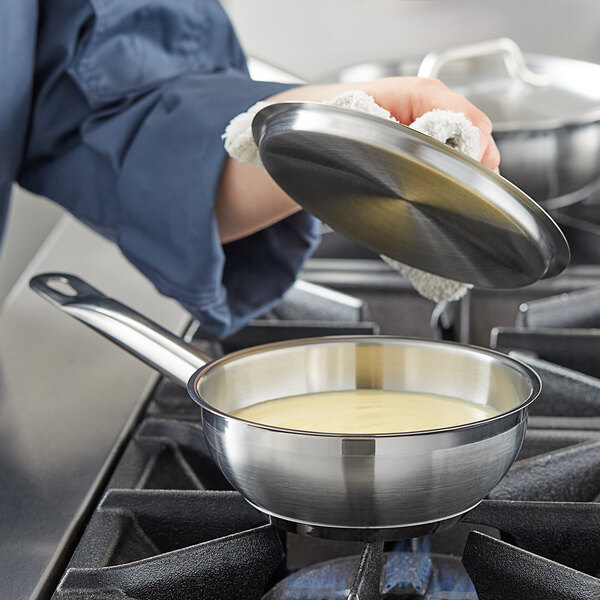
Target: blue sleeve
x,y
131,101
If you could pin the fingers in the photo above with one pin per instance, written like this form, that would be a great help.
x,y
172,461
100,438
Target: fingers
x,y
424,95
489,153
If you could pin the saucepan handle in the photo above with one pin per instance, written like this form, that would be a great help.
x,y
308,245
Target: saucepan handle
x,y
513,59
129,329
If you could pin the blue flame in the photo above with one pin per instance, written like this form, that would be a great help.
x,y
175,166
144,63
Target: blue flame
x,y
409,570
406,573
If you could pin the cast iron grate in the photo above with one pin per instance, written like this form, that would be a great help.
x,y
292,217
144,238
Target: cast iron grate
x,y
500,571
161,545
562,329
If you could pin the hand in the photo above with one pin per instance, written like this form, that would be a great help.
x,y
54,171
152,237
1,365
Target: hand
x,y
411,97
407,98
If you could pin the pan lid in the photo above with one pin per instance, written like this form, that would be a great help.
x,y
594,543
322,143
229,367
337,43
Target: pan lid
x,y
519,92
403,194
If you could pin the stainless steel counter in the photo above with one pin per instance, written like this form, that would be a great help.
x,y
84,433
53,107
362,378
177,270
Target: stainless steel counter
x,y
66,398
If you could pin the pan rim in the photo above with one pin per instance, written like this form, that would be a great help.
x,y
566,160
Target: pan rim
x,y
513,363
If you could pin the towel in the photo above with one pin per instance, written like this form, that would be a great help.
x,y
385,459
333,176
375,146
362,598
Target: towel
x,y
449,127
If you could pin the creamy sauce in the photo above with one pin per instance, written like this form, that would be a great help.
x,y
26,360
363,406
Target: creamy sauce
x,y
365,411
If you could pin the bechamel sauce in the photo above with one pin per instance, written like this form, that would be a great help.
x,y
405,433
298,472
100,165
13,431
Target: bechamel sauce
x,y
365,411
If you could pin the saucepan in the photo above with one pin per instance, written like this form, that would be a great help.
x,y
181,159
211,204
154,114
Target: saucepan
x,y
346,486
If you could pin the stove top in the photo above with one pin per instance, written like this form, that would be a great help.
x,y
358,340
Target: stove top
x,y
170,526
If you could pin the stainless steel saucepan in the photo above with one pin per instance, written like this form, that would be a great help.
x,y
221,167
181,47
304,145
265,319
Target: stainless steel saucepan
x,y
362,487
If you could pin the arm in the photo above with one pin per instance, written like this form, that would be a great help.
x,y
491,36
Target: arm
x,y
125,132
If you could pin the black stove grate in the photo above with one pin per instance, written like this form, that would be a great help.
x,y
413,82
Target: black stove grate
x,y
562,329
571,474
564,532
161,545
501,571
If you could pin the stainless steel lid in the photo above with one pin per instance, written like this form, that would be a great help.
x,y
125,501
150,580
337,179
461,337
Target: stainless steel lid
x,y
516,91
403,194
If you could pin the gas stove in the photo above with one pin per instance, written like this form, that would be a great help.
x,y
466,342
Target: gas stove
x,y
168,525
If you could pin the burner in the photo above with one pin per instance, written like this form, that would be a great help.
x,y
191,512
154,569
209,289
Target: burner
x,y
404,575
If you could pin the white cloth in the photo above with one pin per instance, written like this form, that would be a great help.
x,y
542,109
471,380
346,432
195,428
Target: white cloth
x,y
445,126
451,128
239,142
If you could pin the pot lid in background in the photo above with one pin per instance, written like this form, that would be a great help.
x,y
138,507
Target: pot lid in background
x,y
572,97
519,92
403,194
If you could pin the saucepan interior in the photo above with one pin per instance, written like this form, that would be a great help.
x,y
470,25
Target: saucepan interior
x,y
392,480
284,369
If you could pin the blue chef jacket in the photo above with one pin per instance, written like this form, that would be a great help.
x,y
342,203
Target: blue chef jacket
x,y
115,109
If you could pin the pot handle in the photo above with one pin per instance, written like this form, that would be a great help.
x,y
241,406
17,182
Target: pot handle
x,y
129,329
510,51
